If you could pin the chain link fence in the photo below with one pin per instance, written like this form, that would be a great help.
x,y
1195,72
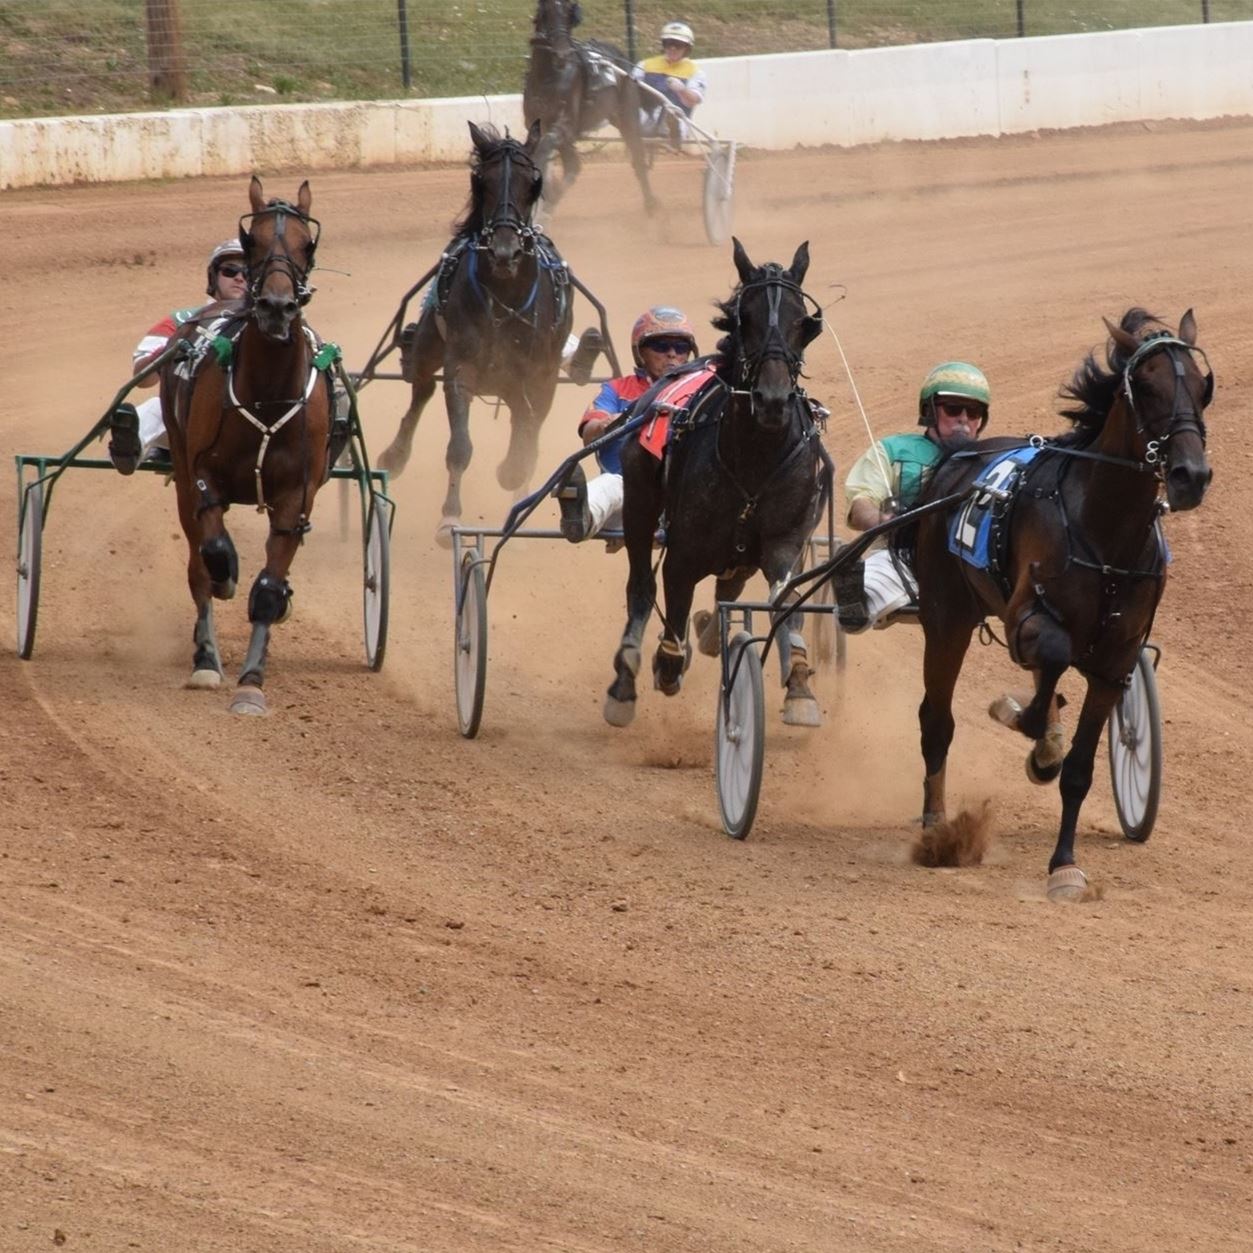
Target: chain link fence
x,y
66,57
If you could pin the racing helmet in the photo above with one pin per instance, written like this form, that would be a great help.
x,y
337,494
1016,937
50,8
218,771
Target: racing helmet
x,y
681,32
227,248
953,378
658,322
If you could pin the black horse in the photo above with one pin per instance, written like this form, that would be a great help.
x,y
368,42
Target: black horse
x,y
740,487
1074,563
574,86
495,319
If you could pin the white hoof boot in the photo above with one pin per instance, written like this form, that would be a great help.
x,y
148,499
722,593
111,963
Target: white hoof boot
x,y
1067,884
250,701
801,711
443,532
203,681
619,713
1005,710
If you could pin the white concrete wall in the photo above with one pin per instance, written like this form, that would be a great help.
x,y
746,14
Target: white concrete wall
x,y
920,91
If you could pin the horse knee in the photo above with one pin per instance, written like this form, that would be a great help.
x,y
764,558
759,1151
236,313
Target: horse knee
x,y
270,599
221,561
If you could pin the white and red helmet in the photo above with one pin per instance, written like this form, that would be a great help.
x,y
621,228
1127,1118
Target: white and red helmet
x,y
661,322
227,248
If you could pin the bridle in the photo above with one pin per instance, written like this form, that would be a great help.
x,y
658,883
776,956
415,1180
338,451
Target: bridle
x,y
1182,420
275,259
774,347
508,215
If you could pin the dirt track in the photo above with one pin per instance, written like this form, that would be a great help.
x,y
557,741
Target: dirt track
x,y
339,980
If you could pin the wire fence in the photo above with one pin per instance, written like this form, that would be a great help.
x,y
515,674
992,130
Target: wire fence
x,y
66,57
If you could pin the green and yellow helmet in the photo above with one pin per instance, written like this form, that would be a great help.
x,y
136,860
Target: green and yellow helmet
x,y
953,378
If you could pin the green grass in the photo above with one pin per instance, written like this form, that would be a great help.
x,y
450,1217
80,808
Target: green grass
x,y
67,56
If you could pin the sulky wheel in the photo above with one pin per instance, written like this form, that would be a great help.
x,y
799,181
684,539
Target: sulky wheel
x,y
470,657
717,199
1135,751
29,548
740,738
377,569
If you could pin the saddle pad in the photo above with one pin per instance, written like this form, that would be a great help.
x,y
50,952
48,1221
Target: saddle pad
x,y
674,397
970,531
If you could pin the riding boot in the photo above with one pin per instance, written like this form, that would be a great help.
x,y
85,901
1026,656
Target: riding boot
x,y
579,367
571,493
125,448
849,585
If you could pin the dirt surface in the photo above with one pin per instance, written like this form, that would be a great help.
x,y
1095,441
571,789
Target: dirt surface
x,y
338,980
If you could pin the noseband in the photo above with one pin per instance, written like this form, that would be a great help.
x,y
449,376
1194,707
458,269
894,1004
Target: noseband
x,y
508,215
775,346
1182,419
274,259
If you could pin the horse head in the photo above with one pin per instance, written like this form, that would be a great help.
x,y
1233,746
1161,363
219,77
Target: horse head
x,y
770,324
279,241
505,184
1166,394
555,19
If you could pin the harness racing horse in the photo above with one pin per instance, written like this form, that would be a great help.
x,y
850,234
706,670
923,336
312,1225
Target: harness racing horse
x,y
572,88
739,485
495,320
249,419
1076,558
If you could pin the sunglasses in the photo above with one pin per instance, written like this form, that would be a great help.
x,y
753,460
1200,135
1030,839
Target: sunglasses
x,y
955,408
232,271
673,43
681,346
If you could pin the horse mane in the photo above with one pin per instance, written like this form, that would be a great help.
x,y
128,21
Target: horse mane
x,y
471,220
1094,389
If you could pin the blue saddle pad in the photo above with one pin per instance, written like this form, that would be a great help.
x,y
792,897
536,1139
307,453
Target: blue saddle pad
x,y
970,531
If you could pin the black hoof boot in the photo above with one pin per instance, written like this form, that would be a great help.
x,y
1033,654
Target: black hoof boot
x,y
124,446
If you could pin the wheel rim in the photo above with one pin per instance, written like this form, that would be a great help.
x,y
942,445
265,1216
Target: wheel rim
x,y
376,585
1133,749
470,662
739,743
718,198
28,559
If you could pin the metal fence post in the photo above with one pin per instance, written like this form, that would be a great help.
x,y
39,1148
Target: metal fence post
x,y
628,11
1205,10
1022,18
406,64
831,40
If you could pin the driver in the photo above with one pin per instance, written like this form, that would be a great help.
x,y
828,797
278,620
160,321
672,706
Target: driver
x,y
953,406
137,430
661,339
675,75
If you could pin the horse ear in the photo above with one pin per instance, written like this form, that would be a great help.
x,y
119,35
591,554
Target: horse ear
x,y
1187,329
743,265
256,197
1124,339
532,136
477,137
800,263
304,199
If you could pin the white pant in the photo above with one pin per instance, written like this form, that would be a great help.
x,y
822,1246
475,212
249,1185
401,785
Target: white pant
x,y
604,502
886,590
151,426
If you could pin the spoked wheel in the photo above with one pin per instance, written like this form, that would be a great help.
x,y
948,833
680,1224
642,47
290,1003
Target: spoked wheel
x,y
470,659
1135,752
740,739
29,549
377,570
717,200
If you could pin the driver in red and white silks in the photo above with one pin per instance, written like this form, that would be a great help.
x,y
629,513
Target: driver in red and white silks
x,y
953,407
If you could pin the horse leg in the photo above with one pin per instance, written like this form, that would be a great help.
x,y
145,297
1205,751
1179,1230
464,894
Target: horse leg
x,y
629,126
1044,645
705,622
943,654
1066,882
641,511
674,654
269,603
800,706
457,457
428,350
514,472
207,661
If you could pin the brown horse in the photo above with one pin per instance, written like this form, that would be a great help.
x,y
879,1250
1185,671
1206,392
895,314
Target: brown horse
x,y
249,418
1075,560
572,88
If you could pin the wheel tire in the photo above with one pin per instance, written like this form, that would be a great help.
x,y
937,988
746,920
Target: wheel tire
x,y
470,645
740,739
29,553
717,200
1135,752
377,581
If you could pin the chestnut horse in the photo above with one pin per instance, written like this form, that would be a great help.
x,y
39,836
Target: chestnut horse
x,y
1077,577
249,423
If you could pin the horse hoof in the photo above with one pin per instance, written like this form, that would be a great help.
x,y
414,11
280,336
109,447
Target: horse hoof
x,y
801,711
443,532
223,591
249,700
1067,884
706,639
204,681
1005,710
619,713
1042,774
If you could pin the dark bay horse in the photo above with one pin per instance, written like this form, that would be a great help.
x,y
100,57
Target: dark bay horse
x,y
249,419
1081,566
572,88
495,320
740,488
